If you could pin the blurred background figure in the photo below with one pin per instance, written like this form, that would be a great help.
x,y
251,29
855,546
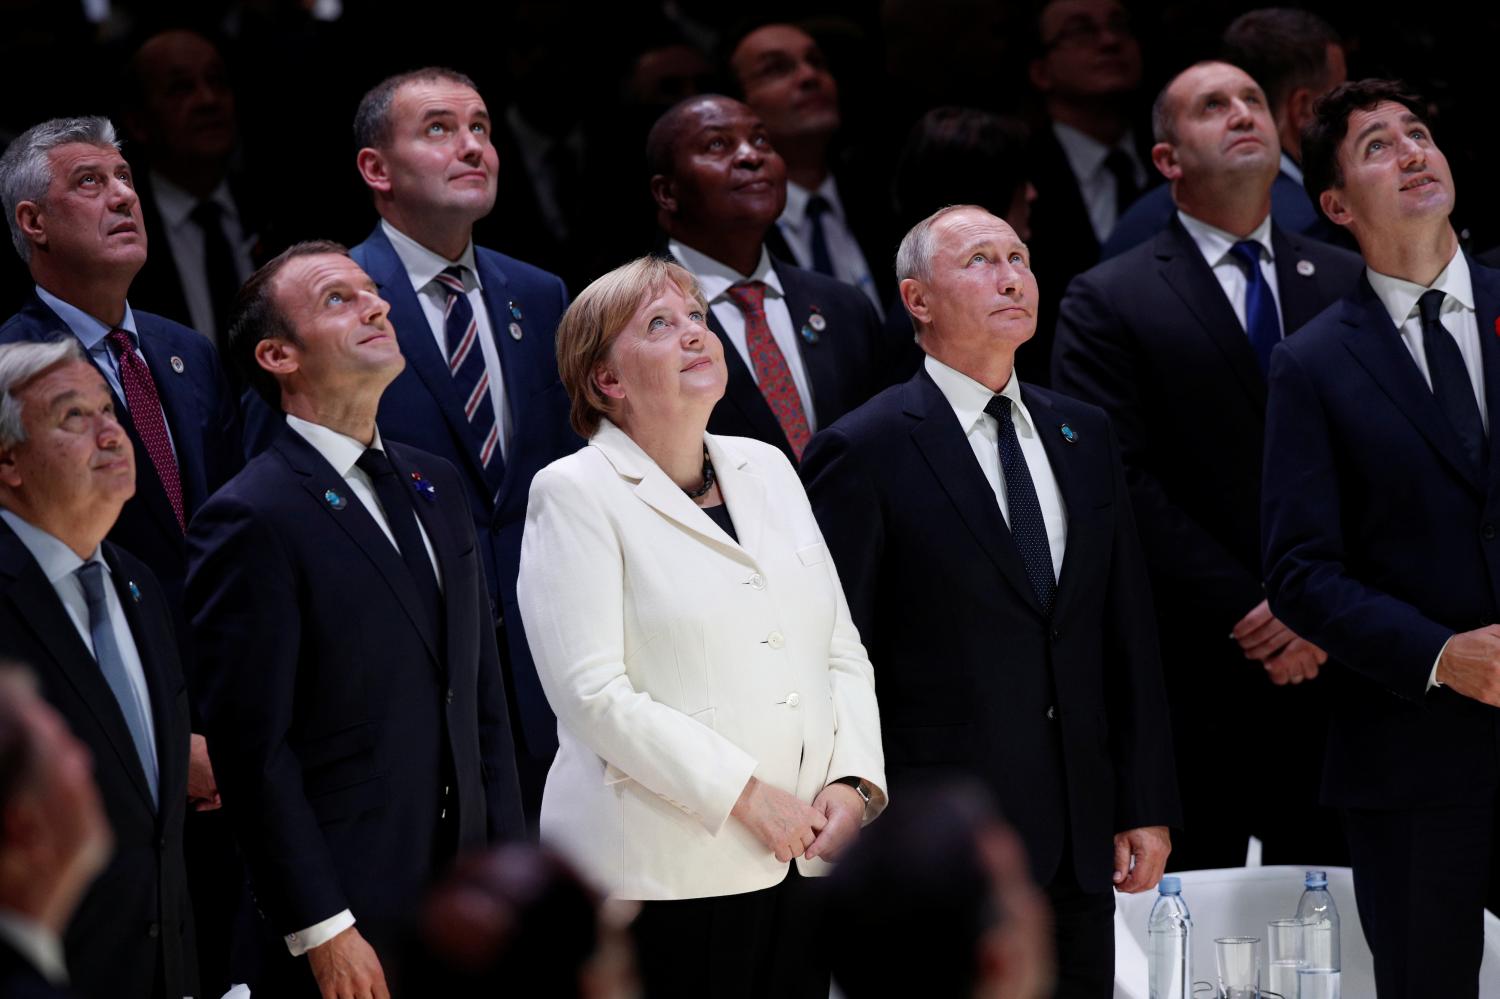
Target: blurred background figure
x,y
54,838
519,920
937,900
965,156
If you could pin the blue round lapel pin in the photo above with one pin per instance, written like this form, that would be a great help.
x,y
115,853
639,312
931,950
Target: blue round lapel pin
x,y
1068,433
515,312
335,500
135,591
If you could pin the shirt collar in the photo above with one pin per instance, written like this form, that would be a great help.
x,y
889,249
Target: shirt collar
x,y
339,450
715,278
57,560
176,205
969,397
422,265
797,197
1214,243
37,944
1291,168
1086,154
89,331
1400,296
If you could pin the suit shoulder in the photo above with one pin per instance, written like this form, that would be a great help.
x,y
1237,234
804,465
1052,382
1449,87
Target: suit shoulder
x,y
762,454
830,291
1322,332
518,271
1124,269
169,331
1070,408
876,417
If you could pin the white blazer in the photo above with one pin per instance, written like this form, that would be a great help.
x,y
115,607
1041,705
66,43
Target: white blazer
x,y
680,664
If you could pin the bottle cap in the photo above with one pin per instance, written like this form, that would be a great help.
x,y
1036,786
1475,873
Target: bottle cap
x,y
1171,884
1316,879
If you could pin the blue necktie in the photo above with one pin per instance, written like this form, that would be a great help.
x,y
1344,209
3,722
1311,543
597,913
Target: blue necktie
x,y
817,207
112,665
1450,377
1026,524
471,377
1262,318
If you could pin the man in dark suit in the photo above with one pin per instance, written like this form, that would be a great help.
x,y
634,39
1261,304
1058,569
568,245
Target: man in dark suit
x,y
1380,507
350,687
1165,339
426,156
802,348
54,838
97,628
950,503
1296,57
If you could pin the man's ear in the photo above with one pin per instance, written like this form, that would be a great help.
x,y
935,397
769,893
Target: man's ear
x,y
1164,158
373,169
914,297
664,193
10,474
1333,205
1299,105
277,356
29,220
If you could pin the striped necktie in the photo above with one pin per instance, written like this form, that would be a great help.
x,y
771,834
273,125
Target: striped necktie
x,y
471,377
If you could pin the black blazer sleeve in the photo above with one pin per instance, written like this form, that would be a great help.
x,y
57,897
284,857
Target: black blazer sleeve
x,y
847,507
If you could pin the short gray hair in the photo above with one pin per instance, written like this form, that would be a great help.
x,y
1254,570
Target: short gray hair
x,y
26,168
19,364
914,255
372,119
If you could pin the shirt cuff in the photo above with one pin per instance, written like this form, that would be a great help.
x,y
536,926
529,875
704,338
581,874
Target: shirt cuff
x,y
1432,680
318,934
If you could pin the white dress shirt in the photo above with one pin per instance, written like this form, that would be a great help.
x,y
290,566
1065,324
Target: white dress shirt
x,y
60,564
968,399
848,260
342,451
1086,156
37,944
422,268
715,280
1216,245
186,239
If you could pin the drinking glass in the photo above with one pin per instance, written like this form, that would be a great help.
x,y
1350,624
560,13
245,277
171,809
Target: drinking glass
x,y
1284,955
1317,983
1239,967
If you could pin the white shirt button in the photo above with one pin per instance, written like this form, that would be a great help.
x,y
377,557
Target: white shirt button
x,y
793,699
775,640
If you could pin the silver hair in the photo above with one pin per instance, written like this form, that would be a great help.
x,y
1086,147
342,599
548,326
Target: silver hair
x,y
26,168
914,255
19,364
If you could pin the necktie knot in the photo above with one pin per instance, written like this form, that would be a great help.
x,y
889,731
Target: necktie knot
x,y
1247,252
375,463
91,575
206,214
1430,307
817,206
750,296
999,407
452,280
120,341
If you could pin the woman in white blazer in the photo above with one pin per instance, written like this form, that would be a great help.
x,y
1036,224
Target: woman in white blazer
x,y
718,736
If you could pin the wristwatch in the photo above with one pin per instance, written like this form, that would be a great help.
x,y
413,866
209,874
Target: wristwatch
x,y
858,785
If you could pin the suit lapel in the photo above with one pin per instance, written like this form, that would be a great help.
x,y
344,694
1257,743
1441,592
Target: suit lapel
x,y
1486,283
946,449
321,482
743,489
743,395
1377,346
37,605
1302,294
822,373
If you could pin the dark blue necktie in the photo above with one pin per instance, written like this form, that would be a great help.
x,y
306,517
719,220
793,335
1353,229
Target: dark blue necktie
x,y
112,665
1026,525
1262,318
401,517
1450,377
817,207
471,377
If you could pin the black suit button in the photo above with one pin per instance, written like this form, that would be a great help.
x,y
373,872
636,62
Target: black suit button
x,y
1052,713
161,844
1488,532
448,697
153,931
1056,633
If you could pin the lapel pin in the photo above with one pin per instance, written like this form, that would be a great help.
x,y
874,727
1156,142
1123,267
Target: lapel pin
x,y
424,487
135,591
1306,268
808,333
816,320
515,331
1497,325
1068,433
515,312
177,364
335,500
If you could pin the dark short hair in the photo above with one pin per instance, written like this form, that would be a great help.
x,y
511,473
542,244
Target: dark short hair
x,y
959,156
372,120
256,316
1325,133
1282,48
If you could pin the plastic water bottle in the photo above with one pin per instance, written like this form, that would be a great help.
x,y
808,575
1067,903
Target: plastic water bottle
x,y
1170,933
1321,937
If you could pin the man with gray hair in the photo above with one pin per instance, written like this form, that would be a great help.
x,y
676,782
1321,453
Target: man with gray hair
x,y
983,532
97,627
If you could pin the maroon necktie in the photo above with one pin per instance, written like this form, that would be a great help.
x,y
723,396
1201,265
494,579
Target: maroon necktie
x,y
772,373
145,412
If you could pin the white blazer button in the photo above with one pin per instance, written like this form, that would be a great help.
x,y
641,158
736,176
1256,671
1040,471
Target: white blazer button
x,y
775,640
793,699
757,581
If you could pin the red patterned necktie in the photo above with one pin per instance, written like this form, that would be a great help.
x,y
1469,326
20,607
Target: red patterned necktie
x,y
145,412
772,373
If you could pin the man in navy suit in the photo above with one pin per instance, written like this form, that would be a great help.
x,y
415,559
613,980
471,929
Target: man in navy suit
x,y
426,156
350,686
1167,338
1381,506
95,625
802,348
983,532
1296,57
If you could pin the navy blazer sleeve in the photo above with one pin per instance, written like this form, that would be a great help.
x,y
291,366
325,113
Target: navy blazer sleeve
x,y
847,507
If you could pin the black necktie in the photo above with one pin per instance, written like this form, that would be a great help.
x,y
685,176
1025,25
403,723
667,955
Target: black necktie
x,y
1120,165
1450,377
817,207
401,516
1026,524
218,267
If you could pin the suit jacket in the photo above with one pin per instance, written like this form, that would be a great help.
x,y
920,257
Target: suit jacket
x,y
682,662
422,408
1063,716
203,417
135,925
1380,545
1151,337
329,704
20,979
845,361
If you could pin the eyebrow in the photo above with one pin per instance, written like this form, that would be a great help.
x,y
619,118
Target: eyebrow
x,y
1407,119
450,113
